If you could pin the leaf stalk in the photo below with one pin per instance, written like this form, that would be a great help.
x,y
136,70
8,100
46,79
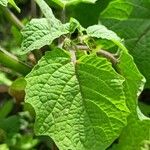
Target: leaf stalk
x,y
101,52
11,62
12,18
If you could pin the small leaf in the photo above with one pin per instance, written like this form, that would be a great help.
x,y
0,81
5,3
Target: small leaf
x,y
100,31
37,33
64,3
5,109
47,11
10,125
4,2
80,106
74,24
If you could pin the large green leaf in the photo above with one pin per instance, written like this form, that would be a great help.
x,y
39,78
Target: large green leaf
x,y
136,33
138,128
137,133
38,33
79,105
87,14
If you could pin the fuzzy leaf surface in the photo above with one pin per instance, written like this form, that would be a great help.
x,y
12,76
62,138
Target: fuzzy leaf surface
x,y
37,33
80,106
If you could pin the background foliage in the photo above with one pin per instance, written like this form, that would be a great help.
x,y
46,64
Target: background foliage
x,y
120,121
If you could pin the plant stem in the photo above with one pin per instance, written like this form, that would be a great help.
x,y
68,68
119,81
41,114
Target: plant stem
x,y
54,147
101,52
3,88
37,54
63,15
9,61
73,56
33,8
12,18
107,55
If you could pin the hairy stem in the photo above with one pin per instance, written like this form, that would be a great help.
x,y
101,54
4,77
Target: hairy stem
x,y
11,62
101,52
54,147
73,56
12,18
108,56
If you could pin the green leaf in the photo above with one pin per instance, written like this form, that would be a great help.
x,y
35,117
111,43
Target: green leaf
x,y
137,131
81,105
4,147
5,109
135,136
37,33
134,82
47,11
14,5
86,13
137,38
145,108
74,24
4,79
100,31
10,125
64,3
41,32
118,9
25,142
4,2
